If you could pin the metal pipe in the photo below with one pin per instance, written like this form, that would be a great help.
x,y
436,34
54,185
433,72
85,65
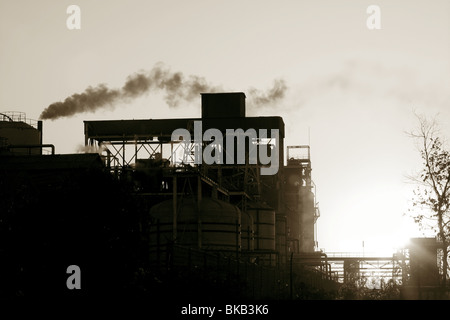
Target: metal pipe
x,y
31,146
290,277
39,127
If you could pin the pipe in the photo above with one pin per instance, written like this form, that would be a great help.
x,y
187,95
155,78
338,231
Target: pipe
x,y
327,265
31,146
39,127
290,277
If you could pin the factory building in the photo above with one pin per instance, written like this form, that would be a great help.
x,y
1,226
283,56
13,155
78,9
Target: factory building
x,y
188,207
221,201
227,207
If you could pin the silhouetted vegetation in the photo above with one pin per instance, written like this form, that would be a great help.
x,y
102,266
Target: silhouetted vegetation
x,y
431,199
389,290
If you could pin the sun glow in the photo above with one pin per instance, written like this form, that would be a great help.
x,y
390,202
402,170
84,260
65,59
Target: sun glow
x,y
389,243
378,229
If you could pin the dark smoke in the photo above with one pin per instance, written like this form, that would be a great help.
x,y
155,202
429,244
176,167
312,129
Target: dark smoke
x,y
90,99
276,93
176,87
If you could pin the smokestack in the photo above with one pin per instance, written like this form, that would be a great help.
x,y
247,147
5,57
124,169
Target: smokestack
x,y
223,105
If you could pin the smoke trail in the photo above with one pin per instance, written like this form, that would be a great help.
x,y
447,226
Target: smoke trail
x,y
276,93
90,99
176,86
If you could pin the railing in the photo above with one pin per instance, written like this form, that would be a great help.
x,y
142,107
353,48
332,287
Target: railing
x,y
17,116
361,255
228,271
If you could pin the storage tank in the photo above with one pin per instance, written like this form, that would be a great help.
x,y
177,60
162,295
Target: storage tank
x,y
264,226
210,224
17,131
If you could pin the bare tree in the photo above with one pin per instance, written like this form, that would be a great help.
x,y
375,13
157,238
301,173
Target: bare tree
x,y
431,199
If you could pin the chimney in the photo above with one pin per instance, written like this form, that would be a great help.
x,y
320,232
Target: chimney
x,y
223,105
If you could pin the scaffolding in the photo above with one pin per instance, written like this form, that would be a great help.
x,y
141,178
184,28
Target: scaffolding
x,y
367,270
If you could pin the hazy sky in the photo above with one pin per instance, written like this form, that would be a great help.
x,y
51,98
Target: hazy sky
x,y
353,89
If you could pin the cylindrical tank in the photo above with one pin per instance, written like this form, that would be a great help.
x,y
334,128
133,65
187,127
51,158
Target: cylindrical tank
x,y
16,131
264,226
210,224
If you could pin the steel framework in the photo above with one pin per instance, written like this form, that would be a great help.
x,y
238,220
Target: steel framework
x,y
350,268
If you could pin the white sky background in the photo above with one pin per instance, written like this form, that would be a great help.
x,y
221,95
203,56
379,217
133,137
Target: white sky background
x,y
352,88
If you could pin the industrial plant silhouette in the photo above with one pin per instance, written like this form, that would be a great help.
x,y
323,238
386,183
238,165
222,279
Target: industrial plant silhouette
x,y
139,222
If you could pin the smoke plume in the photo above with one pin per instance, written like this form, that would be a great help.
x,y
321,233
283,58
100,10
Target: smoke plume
x,y
274,94
175,85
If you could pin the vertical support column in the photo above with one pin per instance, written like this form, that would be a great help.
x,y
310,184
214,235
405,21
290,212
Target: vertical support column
x,y
174,197
199,230
199,189
258,180
135,150
219,175
108,155
237,244
199,218
86,139
123,154
39,127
